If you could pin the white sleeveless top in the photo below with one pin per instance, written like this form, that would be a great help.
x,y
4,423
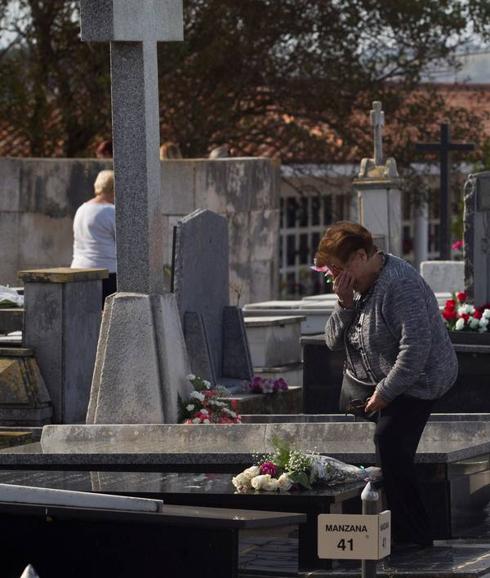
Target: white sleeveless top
x,y
94,232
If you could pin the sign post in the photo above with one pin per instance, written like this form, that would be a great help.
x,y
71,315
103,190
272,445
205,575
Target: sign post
x,y
365,537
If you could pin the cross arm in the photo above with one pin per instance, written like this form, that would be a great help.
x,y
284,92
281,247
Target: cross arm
x,y
131,20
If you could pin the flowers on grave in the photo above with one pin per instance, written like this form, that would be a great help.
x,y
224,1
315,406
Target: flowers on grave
x,y
205,404
288,469
266,385
325,270
458,247
459,315
9,298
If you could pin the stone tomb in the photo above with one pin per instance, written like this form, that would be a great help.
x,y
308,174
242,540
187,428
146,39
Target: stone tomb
x,y
453,457
323,368
214,331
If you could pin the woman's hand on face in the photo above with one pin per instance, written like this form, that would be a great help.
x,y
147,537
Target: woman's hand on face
x,y
343,286
375,403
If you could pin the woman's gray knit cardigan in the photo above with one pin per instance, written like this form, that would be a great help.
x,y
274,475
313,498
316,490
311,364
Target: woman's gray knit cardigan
x,y
406,343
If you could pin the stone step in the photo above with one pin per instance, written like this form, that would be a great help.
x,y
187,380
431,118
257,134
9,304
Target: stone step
x,y
282,402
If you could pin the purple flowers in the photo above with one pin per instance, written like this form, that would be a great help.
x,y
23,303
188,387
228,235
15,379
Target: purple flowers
x,y
265,385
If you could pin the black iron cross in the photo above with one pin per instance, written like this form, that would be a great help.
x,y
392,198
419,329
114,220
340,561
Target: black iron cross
x,y
444,147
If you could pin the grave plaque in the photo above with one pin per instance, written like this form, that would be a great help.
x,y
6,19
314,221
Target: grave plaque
x,y
354,537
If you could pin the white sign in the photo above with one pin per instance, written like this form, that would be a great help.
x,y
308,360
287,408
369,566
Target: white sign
x,y
354,537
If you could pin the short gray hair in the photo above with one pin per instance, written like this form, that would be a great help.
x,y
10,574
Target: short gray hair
x,y
104,183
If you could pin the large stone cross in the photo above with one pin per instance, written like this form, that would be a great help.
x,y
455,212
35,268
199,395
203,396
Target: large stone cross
x,y
133,28
377,121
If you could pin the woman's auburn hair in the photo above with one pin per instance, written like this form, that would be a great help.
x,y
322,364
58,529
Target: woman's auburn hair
x,y
341,240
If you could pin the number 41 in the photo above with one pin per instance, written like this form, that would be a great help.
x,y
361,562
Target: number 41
x,y
341,545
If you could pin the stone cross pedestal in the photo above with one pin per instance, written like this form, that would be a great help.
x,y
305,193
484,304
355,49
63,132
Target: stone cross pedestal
x,y
133,381
477,238
378,191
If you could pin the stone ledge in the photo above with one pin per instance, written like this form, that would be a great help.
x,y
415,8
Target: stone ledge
x,y
62,275
279,402
268,321
16,352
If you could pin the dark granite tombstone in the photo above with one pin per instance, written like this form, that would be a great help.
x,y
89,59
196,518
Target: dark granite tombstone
x,y
214,331
322,378
476,242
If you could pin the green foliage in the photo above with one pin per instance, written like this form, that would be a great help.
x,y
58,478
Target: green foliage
x,y
254,74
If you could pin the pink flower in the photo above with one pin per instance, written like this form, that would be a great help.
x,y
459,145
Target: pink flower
x,y
268,468
457,245
280,384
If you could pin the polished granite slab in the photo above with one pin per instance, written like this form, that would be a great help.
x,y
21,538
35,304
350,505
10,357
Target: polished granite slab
x,y
139,483
155,483
275,554
144,453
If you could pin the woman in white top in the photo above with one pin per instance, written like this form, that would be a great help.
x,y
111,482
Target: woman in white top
x,y
94,232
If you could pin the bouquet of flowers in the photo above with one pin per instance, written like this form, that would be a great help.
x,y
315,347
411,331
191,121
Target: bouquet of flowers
x,y
203,405
9,298
288,469
264,385
462,316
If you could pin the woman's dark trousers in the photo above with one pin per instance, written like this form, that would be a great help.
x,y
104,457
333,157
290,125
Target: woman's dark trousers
x,y
398,431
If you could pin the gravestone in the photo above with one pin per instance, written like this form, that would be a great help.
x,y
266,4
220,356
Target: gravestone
x,y
477,237
214,331
378,190
141,362
443,276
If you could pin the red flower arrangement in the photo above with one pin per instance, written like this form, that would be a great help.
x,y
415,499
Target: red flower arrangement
x,y
459,315
204,407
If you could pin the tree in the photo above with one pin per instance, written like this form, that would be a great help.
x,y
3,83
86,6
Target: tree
x,y
293,78
297,78
55,89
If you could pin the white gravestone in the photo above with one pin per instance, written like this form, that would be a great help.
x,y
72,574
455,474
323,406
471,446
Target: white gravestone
x,y
141,327
378,190
443,276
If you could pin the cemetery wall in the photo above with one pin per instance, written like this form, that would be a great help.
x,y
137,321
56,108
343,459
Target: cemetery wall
x,y
39,197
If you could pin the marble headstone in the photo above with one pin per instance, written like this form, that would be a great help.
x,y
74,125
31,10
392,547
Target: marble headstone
x,y
443,276
214,331
477,237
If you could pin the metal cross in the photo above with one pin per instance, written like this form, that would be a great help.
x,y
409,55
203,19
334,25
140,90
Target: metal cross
x,y
444,147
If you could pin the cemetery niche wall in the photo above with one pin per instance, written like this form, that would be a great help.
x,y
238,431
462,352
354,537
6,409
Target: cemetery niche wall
x,y
39,197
